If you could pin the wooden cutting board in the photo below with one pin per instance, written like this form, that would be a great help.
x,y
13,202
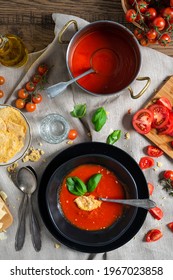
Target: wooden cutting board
x,y
162,141
7,219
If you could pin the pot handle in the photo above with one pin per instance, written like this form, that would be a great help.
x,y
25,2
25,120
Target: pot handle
x,y
143,90
65,27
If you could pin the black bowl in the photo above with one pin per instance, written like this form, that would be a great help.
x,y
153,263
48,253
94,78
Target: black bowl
x,y
96,237
126,164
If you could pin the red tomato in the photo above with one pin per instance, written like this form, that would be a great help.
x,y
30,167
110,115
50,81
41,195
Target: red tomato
x,y
72,134
37,98
150,13
20,103
36,78
150,188
165,102
167,14
146,162
168,128
144,42
142,121
170,226
154,151
168,174
161,115
138,33
156,212
30,107
171,3
151,34
2,80
153,235
159,23
22,93
141,6
30,86
164,40
131,15
42,69
1,93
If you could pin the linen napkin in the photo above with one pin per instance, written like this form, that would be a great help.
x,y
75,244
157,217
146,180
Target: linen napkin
x,y
155,65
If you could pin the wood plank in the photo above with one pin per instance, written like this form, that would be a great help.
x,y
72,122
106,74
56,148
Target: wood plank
x,y
162,141
7,220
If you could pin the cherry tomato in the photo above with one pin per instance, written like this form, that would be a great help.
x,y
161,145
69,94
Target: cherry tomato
x,y
42,69
20,103
131,15
36,78
142,121
37,98
138,33
167,14
170,226
168,174
2,80
154,151
150,188
151,34
72,134
153,235
150,13
164,40
144,42
30,107
22,93
165,102
168,128
161,115
146,162
156,212
141,6
30,86
1,93
159,23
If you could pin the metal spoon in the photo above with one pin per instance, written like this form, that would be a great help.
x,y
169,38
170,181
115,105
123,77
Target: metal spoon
x,y
27,183
56,89
143,203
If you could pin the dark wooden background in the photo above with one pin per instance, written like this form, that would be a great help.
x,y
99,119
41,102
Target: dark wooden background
x,y
32,20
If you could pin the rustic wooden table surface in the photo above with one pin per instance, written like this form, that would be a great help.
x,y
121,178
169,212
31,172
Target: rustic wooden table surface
x,y
32,20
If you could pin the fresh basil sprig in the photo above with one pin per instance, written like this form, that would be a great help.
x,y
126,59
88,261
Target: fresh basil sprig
x,y
113,137
76,185
79,111
93,182
99,118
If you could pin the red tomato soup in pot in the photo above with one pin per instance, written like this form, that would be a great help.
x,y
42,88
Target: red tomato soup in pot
x,y
110,54
103,216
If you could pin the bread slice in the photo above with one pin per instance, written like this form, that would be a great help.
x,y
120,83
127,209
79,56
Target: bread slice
x,y
6,218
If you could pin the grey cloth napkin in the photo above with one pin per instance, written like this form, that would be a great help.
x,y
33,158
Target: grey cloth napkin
x,y
155,65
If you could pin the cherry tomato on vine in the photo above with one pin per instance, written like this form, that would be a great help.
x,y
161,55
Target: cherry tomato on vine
x,y
156,212
36,78
164,39
154,151
144,42
168,174
138,33
37,98
30,86
159,23
2,80
146,162
42,69
72,134
167,14
22,93
20,103
131,15
151,34
142,6
150,188
30,107
170,226
1,93
153,235
150,13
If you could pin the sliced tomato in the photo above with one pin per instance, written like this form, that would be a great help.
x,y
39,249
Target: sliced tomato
x,y
156,212
153,235
142,120
165,102
150,188
146,162
170,226
161,115
154,151
168,128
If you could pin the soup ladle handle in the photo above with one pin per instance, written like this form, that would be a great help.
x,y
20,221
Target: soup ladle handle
x,y
143,203
56,89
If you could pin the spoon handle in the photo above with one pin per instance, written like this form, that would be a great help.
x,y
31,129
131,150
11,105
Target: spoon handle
x,y
34,227
20,234
143,203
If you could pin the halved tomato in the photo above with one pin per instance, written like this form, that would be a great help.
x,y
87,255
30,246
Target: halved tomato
x,y
165,102
154,151
161,115
153,235
142,120
150,188
146,162
168,128
156,212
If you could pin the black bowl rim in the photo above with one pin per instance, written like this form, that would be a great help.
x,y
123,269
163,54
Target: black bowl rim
x,y
105,149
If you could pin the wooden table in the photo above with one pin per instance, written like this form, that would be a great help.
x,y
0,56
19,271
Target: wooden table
x,y
32,20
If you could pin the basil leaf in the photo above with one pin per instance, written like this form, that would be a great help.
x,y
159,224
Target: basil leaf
x,y
79,111
93,182
76,186
99,118
113,137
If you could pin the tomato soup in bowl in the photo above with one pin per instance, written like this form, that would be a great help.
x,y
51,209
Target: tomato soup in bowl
x,y
111,50
102,224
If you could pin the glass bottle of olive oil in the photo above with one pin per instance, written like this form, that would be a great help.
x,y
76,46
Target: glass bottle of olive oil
x,y
13,52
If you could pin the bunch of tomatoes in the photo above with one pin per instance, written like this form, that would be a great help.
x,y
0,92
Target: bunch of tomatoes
x,y
155,19
29,96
